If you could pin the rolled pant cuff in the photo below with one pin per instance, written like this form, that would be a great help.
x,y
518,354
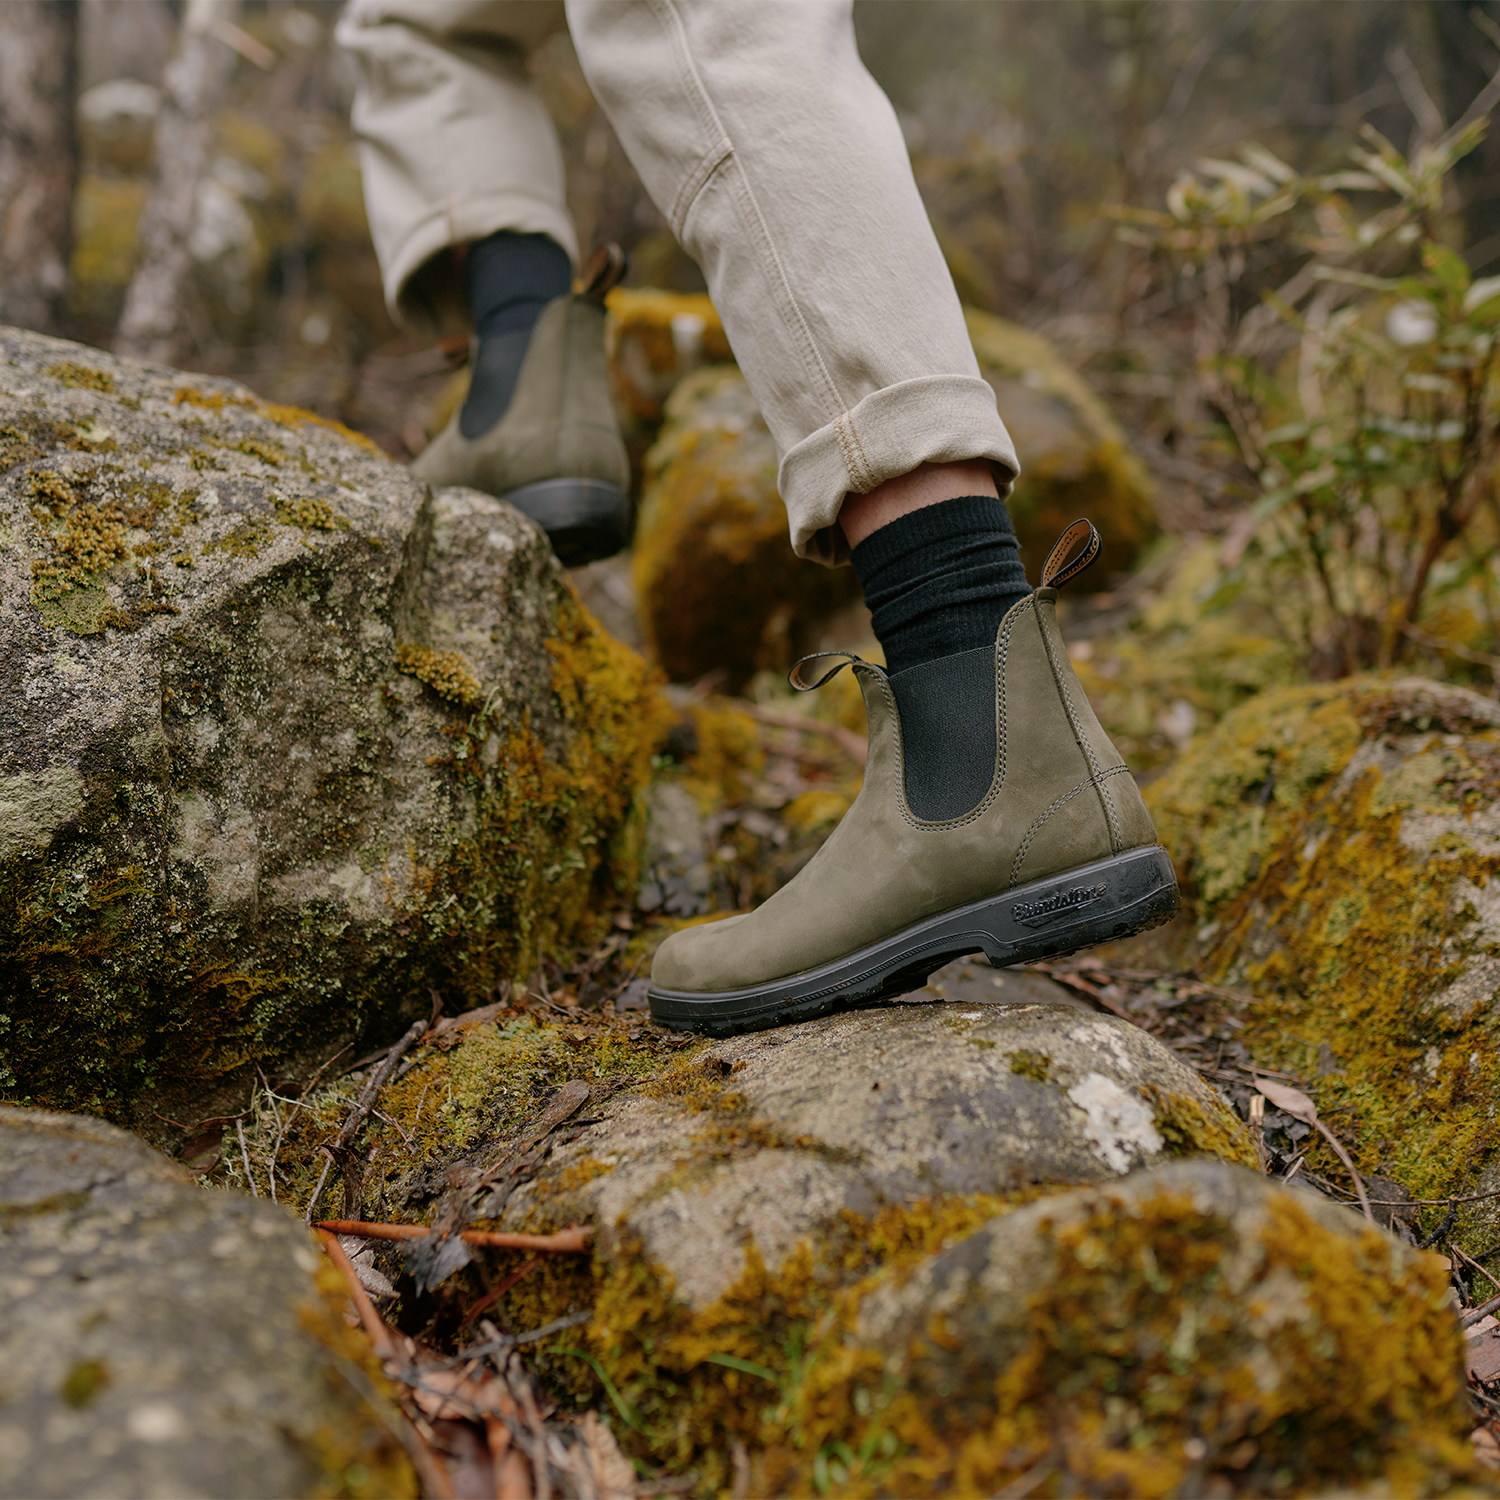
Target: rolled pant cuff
x,y
459,223
933,419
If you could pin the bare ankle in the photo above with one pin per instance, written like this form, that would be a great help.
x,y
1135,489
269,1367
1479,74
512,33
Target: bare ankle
x,y
927,484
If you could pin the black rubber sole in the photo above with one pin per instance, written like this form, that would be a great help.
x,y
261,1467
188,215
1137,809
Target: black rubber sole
x,y
1097,903
585,519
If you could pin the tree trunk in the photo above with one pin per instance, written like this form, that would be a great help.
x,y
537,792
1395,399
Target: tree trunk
x,y
193,87
38,158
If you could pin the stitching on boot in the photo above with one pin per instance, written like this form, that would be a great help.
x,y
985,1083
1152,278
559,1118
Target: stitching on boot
x,y
1095,781
1002,647
1117,842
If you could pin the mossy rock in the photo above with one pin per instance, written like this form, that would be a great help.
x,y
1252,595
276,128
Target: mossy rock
x,y
858,1248
1338,847
106,215
1075,460
1192,1330
716,582
158,1339
740,1188
288,741
655,338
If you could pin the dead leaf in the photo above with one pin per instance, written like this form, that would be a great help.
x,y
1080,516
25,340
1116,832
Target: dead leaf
x,y
1482,1355
1292,1101
1486,1448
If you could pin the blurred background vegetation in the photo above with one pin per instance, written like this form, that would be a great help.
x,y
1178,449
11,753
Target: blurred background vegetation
x,y
1157,196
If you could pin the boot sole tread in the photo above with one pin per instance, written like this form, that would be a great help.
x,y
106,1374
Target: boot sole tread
x,y
1095,903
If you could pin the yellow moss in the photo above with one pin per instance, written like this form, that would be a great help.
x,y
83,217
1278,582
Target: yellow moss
x,y
1191,1128
726,758
447,673
643,355
1113,1379
716,584
1034,1065
85,534
1304,891
310,513
82,377
106,216
267,453
284,416
359,1456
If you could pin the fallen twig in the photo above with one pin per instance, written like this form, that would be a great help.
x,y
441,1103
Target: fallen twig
x,y
850,743
369,1316
1474,1314
239,1126
571,1241
366,1101
510,1340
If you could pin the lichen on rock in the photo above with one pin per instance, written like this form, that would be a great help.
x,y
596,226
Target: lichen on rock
x,y
1338,845
236,827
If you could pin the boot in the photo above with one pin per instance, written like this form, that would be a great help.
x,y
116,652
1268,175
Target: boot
x,y
556,454
1050,851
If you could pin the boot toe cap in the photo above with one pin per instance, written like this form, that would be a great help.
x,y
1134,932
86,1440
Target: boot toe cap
x,y
699,960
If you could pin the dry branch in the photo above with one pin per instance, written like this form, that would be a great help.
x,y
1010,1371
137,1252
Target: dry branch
x,y
571,1241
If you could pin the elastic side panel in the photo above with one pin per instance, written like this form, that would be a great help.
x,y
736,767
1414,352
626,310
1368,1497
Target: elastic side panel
x,y
947,710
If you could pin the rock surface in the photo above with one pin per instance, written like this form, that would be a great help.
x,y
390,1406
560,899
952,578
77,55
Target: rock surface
x,y
1338,847
161,1340
716,583
765,1141
284,739
1192,1325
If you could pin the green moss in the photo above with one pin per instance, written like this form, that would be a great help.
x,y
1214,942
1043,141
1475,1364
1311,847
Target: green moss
x,y
309,513
112,991
357,1456
82,377
1033,1065
248,539
1313,886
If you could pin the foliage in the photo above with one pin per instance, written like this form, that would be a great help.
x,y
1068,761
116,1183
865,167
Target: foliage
x,y
1357,399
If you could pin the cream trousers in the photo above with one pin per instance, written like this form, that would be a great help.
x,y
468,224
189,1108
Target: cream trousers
x,y
776,160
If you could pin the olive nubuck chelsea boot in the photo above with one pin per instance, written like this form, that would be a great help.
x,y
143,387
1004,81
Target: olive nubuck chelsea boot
x,y
556,453
1050,851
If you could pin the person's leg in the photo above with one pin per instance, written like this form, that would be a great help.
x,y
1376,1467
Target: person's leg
x,y
994,812
463,181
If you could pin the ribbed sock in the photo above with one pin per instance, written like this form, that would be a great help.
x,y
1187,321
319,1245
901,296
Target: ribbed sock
x,y
938,583
510,278
940,580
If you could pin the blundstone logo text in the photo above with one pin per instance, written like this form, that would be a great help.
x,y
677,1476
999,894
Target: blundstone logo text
x,y
1039,913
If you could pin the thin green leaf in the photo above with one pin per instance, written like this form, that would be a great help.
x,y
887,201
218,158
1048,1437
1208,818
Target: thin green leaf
x,y
616,1399
744,1366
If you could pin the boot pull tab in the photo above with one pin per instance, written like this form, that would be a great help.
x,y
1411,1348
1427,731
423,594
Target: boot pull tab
x,y
1056,571
794,677
603,272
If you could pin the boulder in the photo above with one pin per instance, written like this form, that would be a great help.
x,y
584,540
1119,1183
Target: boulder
x,y
758,1144
286,741
716,582
1192,1330
857,1251
739,1188
160,1340
1338,847
1075,460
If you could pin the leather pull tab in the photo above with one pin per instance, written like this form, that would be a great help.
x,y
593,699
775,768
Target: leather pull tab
x,y
794,677
603,272
1057,570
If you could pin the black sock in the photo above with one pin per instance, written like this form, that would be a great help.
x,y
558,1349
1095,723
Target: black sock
x,y
510,278
940,580
938,583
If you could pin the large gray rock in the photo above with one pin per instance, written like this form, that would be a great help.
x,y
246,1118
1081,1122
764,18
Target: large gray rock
x,y
160,1340
284,738
767,1140
1192,1327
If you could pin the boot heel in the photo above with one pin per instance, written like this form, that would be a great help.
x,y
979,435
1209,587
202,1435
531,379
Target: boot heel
x,y
585,519
1098,903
